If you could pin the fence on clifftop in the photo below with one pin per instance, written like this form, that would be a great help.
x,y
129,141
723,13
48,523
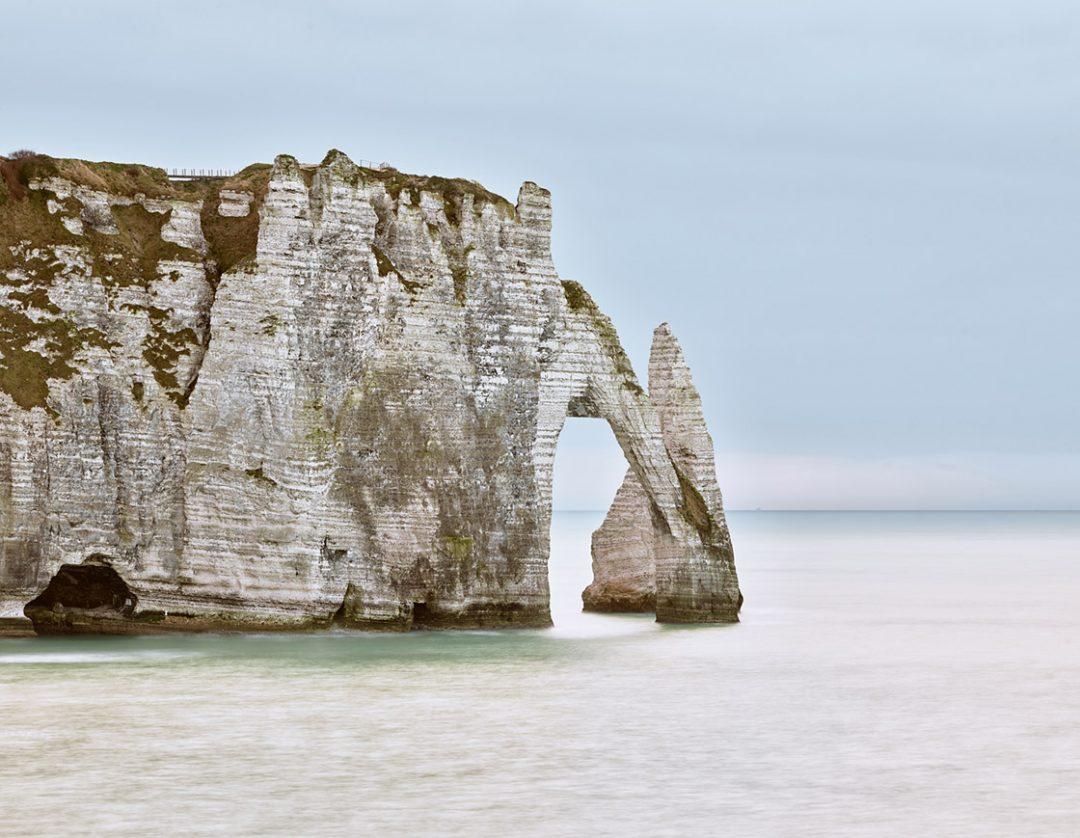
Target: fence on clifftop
x,y
199,174
222,174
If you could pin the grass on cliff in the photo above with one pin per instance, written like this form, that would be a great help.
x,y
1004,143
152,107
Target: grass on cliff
x,y
385,266
579,301
39,341
127,179
36,342
233,240
453,191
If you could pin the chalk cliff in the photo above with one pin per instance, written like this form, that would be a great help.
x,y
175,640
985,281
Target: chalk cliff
x,y
629,543
309,395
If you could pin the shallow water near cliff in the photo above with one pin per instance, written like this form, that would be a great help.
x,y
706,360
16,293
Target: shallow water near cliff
x,y
894,673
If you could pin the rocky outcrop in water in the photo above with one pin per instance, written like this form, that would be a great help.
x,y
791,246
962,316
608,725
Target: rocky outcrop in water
x,y
632,540
303,396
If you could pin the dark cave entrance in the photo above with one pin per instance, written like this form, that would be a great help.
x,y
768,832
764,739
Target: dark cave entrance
x,y
92,589
422,616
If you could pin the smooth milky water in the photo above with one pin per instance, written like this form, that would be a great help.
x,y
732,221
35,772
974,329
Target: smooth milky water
x,y
894,674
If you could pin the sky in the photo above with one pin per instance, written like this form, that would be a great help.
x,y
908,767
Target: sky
x,y
860,219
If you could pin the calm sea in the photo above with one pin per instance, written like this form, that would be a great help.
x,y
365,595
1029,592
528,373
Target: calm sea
x,y
894,674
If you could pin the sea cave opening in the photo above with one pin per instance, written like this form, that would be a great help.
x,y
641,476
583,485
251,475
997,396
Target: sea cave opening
x,y
92,588
422,616
92,585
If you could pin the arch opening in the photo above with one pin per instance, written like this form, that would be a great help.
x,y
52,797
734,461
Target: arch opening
x,y
588,468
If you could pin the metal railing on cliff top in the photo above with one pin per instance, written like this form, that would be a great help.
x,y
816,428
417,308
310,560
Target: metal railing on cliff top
x,y
203,174
189,174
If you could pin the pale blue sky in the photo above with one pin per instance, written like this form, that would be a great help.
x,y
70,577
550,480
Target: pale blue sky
x,y
859,218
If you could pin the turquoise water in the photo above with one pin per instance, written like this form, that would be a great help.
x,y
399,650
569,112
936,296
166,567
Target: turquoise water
x,y
896,673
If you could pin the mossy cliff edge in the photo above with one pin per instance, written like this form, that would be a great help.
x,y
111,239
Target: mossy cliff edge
x,y
306,396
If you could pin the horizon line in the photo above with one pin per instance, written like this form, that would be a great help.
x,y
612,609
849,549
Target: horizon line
x,y
883,509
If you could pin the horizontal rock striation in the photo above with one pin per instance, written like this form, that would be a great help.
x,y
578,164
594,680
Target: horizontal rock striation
x,y
306,396
629,546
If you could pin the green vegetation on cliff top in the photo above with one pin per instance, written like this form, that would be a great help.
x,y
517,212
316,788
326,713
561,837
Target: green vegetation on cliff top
x,y
39,342
452,190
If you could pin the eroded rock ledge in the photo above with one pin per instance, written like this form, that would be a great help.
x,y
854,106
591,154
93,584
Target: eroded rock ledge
x,y
313,396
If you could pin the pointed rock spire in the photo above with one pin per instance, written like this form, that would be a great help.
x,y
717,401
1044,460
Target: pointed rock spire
x,y
625,547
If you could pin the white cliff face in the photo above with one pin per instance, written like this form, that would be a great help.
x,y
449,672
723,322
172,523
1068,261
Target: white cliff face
x,y
234,204
314,394
628,543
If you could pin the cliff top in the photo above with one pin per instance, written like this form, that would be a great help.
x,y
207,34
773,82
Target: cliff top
x,y
131,179
120,238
